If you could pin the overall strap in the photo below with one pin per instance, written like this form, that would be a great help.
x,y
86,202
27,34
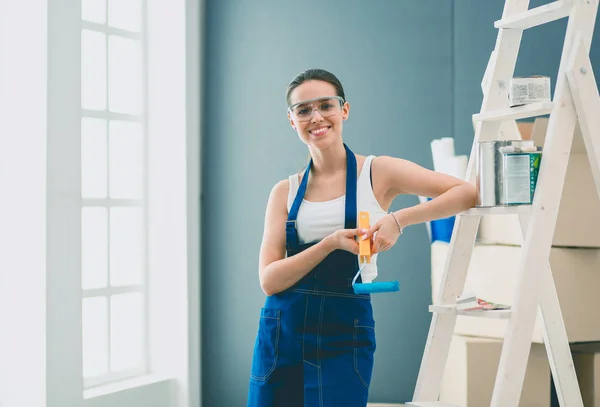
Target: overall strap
x,y
351,205
291,232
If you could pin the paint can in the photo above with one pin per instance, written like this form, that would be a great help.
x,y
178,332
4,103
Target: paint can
x,y
520,172
529,89
501,171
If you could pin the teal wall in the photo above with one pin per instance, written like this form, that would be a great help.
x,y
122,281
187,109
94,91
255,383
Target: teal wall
x,y
411,70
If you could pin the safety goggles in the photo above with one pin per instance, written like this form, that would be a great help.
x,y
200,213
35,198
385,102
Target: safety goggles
x,y
327,106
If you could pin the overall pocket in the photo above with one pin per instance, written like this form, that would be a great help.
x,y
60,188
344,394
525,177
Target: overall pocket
x,y
266,348
364,349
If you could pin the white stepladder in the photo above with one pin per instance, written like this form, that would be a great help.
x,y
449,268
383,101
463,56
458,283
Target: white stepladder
x,y
575,99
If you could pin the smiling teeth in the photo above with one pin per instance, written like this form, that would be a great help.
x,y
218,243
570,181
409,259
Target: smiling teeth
x,y
319,131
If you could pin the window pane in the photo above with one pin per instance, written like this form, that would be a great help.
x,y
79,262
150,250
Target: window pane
x,y
95,336
126,248
94,242
126,331
126,160
125,75
93,158
93,70
94,11
125,14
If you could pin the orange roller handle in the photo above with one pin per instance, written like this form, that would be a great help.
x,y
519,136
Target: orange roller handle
x,y
364,246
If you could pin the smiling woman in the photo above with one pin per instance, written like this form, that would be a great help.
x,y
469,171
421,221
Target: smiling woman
x,y
316,337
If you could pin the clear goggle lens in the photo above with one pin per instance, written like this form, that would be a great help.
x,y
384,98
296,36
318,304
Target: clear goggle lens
x,y
327,106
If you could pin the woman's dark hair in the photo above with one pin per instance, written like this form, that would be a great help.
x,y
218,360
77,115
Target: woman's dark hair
x,y
316,75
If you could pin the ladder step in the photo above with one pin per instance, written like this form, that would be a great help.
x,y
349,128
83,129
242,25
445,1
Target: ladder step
x,y
498,210
429,404
451,309
537,16
513,113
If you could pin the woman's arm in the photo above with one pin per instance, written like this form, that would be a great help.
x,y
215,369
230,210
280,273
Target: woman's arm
x,y
276,272
450,196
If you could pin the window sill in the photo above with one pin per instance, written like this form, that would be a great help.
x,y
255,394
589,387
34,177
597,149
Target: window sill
x,y
128,384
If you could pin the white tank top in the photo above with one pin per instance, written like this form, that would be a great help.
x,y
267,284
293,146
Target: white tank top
x,y
317,220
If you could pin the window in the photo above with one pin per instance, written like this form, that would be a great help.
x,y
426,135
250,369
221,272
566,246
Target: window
x,y
113,189
140,170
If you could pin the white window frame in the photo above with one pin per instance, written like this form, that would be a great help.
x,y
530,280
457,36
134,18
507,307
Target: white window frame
x,y
109,203
40,171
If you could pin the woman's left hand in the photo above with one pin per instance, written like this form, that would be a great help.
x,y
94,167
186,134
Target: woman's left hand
x,y
385,232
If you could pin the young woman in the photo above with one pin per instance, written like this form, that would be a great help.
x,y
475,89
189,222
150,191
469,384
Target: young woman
x,y
316,339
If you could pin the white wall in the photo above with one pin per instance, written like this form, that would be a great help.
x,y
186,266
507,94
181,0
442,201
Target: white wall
x,y
195,40
64,380
22,203
173,228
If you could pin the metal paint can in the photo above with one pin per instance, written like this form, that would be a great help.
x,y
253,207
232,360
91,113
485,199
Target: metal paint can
x,y
491,169
520,173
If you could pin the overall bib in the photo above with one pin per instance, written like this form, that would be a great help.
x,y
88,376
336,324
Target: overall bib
x,y
316,340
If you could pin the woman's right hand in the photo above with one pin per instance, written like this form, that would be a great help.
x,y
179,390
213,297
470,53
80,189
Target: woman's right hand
x,y
344,239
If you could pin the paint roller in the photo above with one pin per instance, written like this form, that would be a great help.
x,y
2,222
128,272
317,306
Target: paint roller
x,y
364,260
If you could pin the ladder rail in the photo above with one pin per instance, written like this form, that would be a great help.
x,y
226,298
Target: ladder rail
x,y
587,103
555,336
442,326
537,16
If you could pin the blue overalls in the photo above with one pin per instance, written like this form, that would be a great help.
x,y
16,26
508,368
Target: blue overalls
x,y
316,340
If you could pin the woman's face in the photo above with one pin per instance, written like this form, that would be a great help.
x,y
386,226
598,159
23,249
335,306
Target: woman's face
x,y
317,114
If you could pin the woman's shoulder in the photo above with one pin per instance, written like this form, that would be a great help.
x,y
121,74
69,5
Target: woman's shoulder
x,y
279,192
382,159
387,161
281,187
385,168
